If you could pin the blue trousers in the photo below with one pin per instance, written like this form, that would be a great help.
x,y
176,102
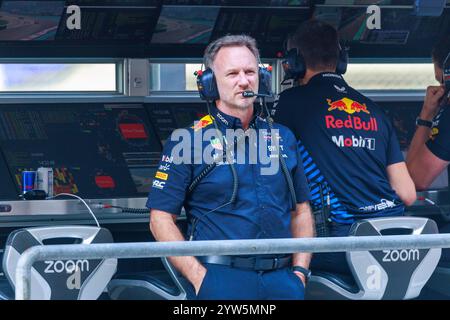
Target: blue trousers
x,y
226,283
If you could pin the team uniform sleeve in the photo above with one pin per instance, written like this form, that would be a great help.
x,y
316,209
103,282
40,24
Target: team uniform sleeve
x,y
394,154
439,145
171,181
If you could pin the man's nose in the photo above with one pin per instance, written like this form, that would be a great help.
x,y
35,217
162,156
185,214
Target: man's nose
x,y
243,79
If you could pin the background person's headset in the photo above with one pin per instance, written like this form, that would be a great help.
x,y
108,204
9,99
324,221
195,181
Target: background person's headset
x,y
446,74
294,64
207,86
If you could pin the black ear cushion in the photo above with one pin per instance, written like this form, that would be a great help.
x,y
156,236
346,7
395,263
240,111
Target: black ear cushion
x,y
206,84
293,65
341,66
265,81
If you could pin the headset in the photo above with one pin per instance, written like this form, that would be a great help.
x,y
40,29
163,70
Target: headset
x,y
294,65
446,74
207,86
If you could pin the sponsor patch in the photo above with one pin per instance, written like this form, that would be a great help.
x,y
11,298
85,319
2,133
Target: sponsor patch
x,y
161,175
216,144
158,184
347,105
202,123
164,167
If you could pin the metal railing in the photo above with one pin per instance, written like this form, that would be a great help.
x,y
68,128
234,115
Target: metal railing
x,y
222,247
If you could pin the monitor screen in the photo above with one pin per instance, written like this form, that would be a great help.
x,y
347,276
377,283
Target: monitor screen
x,y
110,24
240,3
8,190
168,117
399,26
269,26
29,20
180,24
95,150
116,3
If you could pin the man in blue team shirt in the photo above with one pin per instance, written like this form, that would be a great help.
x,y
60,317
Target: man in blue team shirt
x,y
429,152
262,207
351,156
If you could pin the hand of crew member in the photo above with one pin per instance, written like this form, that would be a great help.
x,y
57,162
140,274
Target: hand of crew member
x,y
197,280
431,103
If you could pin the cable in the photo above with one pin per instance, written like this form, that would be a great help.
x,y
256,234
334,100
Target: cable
x,y
284,168
79,198
212,166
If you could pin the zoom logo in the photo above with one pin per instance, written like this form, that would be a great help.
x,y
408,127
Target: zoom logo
x,y
68,266
401,255
74,268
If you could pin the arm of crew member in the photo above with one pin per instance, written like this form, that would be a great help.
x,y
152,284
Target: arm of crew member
x,y
163,228
401,182
302,226
424,167
422,164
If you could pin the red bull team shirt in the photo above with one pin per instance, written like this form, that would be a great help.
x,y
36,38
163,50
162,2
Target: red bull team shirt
x,y
439,142
262,206
346,143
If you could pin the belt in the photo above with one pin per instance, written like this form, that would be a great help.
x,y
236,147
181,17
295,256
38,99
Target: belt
x,y
251,263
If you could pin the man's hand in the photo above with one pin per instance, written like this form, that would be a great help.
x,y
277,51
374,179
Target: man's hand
x,y
431,103
198,278
301,276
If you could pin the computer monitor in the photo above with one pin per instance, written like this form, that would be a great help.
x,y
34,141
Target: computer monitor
x,y
96,150
29,20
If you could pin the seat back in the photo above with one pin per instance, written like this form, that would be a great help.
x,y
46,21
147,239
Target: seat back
x,y
151,285
393,274
83,279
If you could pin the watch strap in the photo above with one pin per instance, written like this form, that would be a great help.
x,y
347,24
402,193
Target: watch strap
x,y
304,271
425,123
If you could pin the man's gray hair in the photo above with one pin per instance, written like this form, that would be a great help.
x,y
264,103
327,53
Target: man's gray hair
x,y
239,40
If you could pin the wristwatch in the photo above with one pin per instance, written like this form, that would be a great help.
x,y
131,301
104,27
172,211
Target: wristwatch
x,y
306,272
425,123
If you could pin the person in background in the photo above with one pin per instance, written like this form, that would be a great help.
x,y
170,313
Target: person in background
x,y
351,156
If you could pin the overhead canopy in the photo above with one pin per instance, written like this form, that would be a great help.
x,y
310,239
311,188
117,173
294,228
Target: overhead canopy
x,y
183,28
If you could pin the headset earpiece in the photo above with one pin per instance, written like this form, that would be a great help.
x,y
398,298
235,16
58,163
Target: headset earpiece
x,y
265,81
446,73
293,65
206,84
341,66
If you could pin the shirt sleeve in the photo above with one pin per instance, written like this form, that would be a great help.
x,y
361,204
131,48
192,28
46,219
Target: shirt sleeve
x,y
439,143
171,180
394,154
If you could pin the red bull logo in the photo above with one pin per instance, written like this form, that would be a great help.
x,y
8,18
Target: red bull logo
x,y
352,122
202,123
347,105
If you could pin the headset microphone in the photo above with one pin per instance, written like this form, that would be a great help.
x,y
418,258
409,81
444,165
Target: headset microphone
x,y
250,94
